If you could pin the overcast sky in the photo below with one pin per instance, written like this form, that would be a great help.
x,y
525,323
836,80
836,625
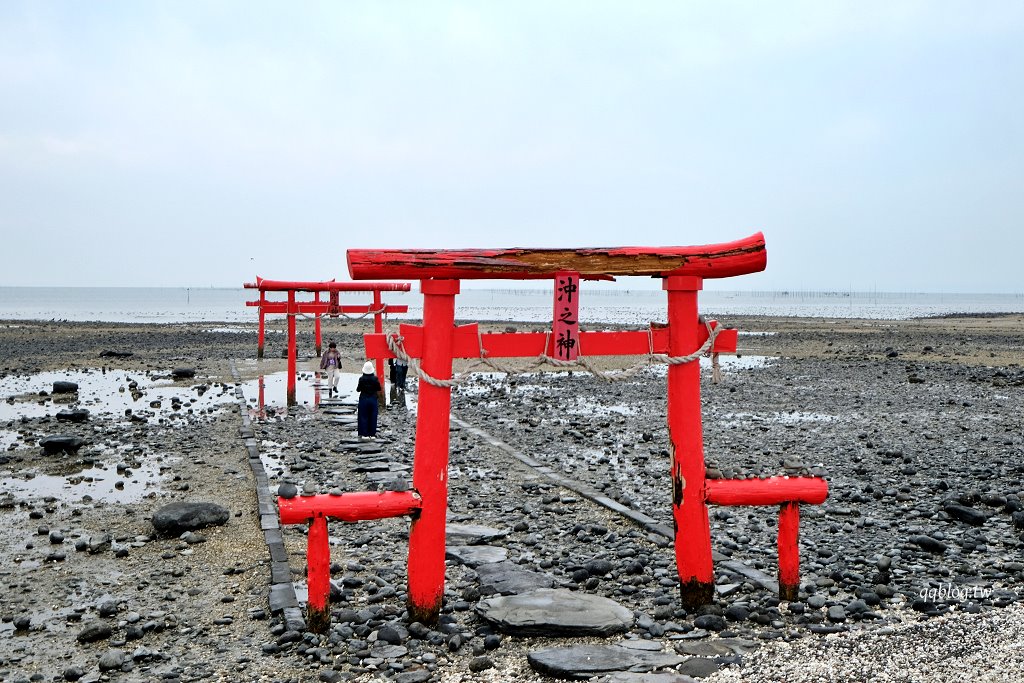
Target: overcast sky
x,y
878,145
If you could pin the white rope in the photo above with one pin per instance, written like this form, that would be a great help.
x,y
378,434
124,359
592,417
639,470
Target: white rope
x,y
397,347
311,316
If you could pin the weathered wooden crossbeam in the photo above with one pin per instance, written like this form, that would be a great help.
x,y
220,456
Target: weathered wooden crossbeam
x,y
743,256
468,341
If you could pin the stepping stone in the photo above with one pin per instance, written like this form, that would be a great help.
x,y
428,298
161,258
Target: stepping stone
x,y
584,661
473,534
717,647
507,578
629,677
559,612
376,466
61,443
475,555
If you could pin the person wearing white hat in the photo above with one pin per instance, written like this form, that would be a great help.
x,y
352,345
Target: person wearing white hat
x,y
368,388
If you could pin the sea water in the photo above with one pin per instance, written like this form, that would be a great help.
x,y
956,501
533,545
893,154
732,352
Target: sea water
x,y
599,302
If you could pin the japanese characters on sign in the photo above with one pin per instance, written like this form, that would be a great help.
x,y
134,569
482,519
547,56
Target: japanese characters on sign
x,y
566,321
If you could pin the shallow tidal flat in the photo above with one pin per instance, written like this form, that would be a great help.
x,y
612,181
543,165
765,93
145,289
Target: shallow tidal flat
x,y
915,424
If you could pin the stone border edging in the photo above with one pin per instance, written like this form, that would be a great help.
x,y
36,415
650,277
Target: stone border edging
x,y
282,592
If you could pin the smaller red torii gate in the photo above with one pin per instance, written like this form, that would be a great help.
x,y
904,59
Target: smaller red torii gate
x,y
317,308
438,342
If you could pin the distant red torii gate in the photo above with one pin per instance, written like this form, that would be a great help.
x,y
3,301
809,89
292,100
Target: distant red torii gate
x,y
438,342
317,308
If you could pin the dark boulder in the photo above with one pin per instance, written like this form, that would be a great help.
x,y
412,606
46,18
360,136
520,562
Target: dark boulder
x,y
963,513
61,443
177,518
63,387
183,373
73,415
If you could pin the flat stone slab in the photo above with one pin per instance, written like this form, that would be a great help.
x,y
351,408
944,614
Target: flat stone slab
x,y
507,578
473,534
717,647
581,662
475,555
558,612
630,677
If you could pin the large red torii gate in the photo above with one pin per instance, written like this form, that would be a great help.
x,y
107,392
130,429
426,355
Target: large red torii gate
x,y
317,308
438,342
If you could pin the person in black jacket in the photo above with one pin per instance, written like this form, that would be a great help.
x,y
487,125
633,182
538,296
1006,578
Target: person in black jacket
x,y
368,388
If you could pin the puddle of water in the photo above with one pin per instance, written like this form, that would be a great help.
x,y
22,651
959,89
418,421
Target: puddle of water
x,y
240,330
8,439
101,483
106,393
267,395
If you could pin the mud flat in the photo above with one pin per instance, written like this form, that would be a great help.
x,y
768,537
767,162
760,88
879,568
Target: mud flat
x,y
914,423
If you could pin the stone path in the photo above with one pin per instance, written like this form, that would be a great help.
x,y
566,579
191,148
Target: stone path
x,y
515,601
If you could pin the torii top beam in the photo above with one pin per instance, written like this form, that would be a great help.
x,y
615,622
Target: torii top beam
x,y
328,286
741,257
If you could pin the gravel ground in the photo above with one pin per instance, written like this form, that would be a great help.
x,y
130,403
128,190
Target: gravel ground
x,y
912,422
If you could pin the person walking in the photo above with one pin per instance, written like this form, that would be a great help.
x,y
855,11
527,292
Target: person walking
x,y
368,388
331,362
401,370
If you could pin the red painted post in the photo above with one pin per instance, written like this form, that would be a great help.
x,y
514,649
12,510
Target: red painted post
x,y
378,327
316,325
261,333
690,514
292,353
318,575
789,551
430,456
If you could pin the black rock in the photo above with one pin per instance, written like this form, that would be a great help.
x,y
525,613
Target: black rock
x,y
177,518
966,514
711,622
73,673
1018,520
61,443
287,490
392,633
478,664
183,373
115,354
62,387
93,631
928,543
112,660
74,415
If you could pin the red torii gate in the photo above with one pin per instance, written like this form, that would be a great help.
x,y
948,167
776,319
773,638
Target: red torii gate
x,y
438,342
317,308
